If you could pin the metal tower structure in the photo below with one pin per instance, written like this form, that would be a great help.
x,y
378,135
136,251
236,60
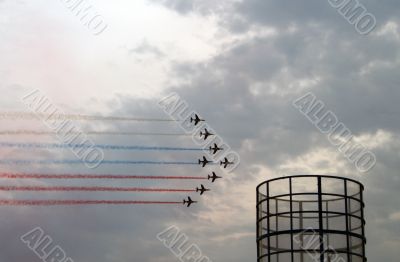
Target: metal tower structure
x,y
310,218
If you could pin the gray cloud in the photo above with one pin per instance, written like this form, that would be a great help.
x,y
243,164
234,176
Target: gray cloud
x,y
146,48
247,92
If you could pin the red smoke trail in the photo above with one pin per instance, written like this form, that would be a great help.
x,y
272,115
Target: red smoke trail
x,y
86,176
4,202
91,189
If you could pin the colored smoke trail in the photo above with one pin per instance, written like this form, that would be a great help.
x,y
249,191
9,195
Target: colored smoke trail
x,y
45,133
105,147
92,189
104,162
35,116
5,202
86,176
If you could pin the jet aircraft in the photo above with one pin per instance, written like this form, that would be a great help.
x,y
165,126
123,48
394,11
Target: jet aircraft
x,y
188,202
226,162
213,177
196,119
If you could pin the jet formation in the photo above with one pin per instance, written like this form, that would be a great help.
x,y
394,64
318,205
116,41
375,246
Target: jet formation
x,y
204,161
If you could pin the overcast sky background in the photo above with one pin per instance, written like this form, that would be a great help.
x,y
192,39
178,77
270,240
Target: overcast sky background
x,y
240,64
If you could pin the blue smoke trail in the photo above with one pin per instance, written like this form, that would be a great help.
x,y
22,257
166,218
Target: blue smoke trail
x,y
105,147
106,162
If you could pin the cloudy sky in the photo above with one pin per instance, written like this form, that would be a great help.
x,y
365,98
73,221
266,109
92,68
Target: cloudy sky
x,y
240,64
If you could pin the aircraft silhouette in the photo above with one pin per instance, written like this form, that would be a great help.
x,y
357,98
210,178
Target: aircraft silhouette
x,y
213,177
206,134
215,149
225,163
202,189
188,202
196,119
204,162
